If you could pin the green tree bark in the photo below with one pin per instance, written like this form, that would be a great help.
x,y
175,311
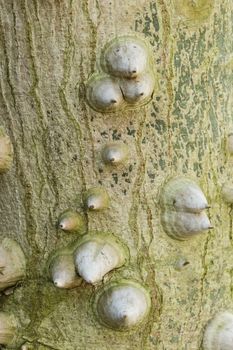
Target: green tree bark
x,y
49,49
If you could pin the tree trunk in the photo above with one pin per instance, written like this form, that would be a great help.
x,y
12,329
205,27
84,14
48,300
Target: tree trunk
x,y
49,49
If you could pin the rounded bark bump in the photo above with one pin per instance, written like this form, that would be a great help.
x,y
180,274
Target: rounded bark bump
x,y
97,254
125,57
122,305
6,152
96,198
182,194
194,11
12,263
71,221
181,264
62,270
227,192
138,91
183,204
182,225
115,153
219,332
104,94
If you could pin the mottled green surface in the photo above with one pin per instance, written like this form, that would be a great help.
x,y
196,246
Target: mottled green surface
x,y
49,49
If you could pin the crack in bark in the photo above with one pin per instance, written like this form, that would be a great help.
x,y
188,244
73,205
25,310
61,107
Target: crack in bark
x,y
40,112
93,30
68,55
137,183
168,52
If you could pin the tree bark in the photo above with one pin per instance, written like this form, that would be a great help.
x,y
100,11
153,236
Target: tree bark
x,y
49,49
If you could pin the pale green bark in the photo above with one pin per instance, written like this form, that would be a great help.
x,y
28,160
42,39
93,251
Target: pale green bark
x,y
48,51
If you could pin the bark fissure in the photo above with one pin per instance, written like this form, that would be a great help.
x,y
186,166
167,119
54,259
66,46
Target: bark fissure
x,y
168,64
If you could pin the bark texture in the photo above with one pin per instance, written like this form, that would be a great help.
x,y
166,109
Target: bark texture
x,y
49,49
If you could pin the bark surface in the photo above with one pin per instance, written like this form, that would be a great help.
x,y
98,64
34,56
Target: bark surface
x,y
49,49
